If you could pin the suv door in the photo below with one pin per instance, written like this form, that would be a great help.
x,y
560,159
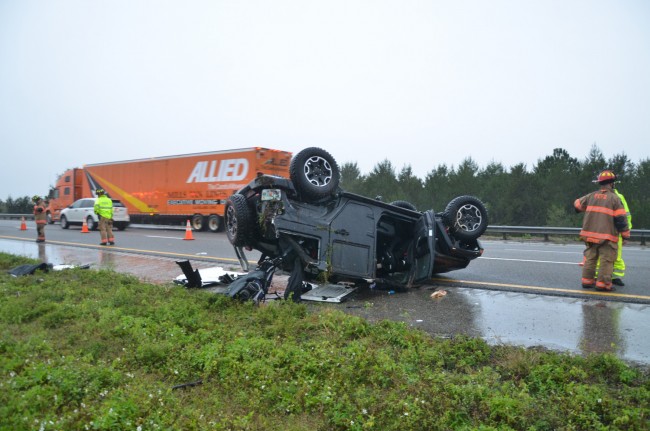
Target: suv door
x,y
75,212
352,240
423,247
87,209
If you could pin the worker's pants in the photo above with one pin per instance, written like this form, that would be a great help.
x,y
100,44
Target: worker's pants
x,y
606,252
40,231
619,263
106,229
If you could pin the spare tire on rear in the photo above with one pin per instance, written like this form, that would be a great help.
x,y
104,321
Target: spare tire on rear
x,y
315,174
466,217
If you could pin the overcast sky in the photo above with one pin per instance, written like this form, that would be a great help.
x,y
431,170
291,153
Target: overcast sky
x,y
419,83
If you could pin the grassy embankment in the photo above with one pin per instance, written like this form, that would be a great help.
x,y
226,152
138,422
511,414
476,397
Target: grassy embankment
x,y
82,349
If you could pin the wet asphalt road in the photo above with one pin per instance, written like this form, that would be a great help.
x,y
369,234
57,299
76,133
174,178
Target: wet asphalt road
x,y
518,293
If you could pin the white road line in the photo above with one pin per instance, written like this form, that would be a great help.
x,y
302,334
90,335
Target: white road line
x,y
166,237
529,260
544,251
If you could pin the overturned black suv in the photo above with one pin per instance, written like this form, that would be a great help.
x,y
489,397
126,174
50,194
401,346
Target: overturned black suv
x,y
307,225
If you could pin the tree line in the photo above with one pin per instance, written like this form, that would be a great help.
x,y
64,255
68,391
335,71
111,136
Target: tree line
x,y
515,196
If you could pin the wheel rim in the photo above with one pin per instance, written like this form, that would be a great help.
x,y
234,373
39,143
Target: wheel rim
x,y
90,223
318,171
213,223
469,218
231,222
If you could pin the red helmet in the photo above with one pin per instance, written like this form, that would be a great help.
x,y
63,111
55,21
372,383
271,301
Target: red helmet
x,y
606,177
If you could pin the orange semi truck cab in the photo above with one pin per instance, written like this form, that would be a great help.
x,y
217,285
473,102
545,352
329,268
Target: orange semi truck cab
x,y
173,189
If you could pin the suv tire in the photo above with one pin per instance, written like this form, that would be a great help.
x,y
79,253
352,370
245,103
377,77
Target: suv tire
x,y
315,174
239,221
466,217
404,204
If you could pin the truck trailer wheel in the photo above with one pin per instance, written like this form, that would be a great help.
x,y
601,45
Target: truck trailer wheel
x,y
197,222
215,223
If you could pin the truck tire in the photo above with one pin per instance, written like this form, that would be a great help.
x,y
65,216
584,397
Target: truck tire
x,y
50,220
215,223
315,174
466,217
239,221
197,222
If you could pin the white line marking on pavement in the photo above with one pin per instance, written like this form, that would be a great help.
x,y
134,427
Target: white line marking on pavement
x,y
529,260
544,251
166,237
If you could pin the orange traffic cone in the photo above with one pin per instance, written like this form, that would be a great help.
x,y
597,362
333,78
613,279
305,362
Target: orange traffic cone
x,y
23,226
84,227
188,231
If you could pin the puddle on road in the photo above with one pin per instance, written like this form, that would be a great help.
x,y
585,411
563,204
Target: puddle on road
x,y
522,319
566,324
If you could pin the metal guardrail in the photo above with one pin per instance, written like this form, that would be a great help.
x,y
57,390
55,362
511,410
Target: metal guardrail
x,y
5,216
546,231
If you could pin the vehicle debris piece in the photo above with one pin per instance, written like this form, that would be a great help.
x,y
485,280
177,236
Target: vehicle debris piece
x,y
188,385
30,269
329,293
204,277
438,294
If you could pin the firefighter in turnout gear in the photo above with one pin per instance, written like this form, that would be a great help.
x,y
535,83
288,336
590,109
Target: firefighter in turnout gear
x,y
104,210
605,219
619,263
40,217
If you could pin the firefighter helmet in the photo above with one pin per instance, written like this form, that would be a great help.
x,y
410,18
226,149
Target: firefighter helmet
x,y
606,177
100,192
36,198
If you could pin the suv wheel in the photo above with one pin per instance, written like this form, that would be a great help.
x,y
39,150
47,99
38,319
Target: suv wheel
x,y
239,221
90,222
466,217
64,222
404,204
314,173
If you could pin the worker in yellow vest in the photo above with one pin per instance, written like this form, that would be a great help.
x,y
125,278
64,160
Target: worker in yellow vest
x,y
619,264
104,210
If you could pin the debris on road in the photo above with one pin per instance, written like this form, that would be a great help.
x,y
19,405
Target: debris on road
x,y
438,294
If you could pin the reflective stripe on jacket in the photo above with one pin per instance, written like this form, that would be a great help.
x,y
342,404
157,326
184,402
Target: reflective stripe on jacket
x,y
40,217
104,207
627,209
605,216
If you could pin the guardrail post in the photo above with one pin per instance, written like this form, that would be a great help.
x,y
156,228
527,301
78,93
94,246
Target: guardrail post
x,y
545,237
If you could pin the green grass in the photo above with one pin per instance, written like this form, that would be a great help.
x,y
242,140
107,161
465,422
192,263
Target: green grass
x,y
84,349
